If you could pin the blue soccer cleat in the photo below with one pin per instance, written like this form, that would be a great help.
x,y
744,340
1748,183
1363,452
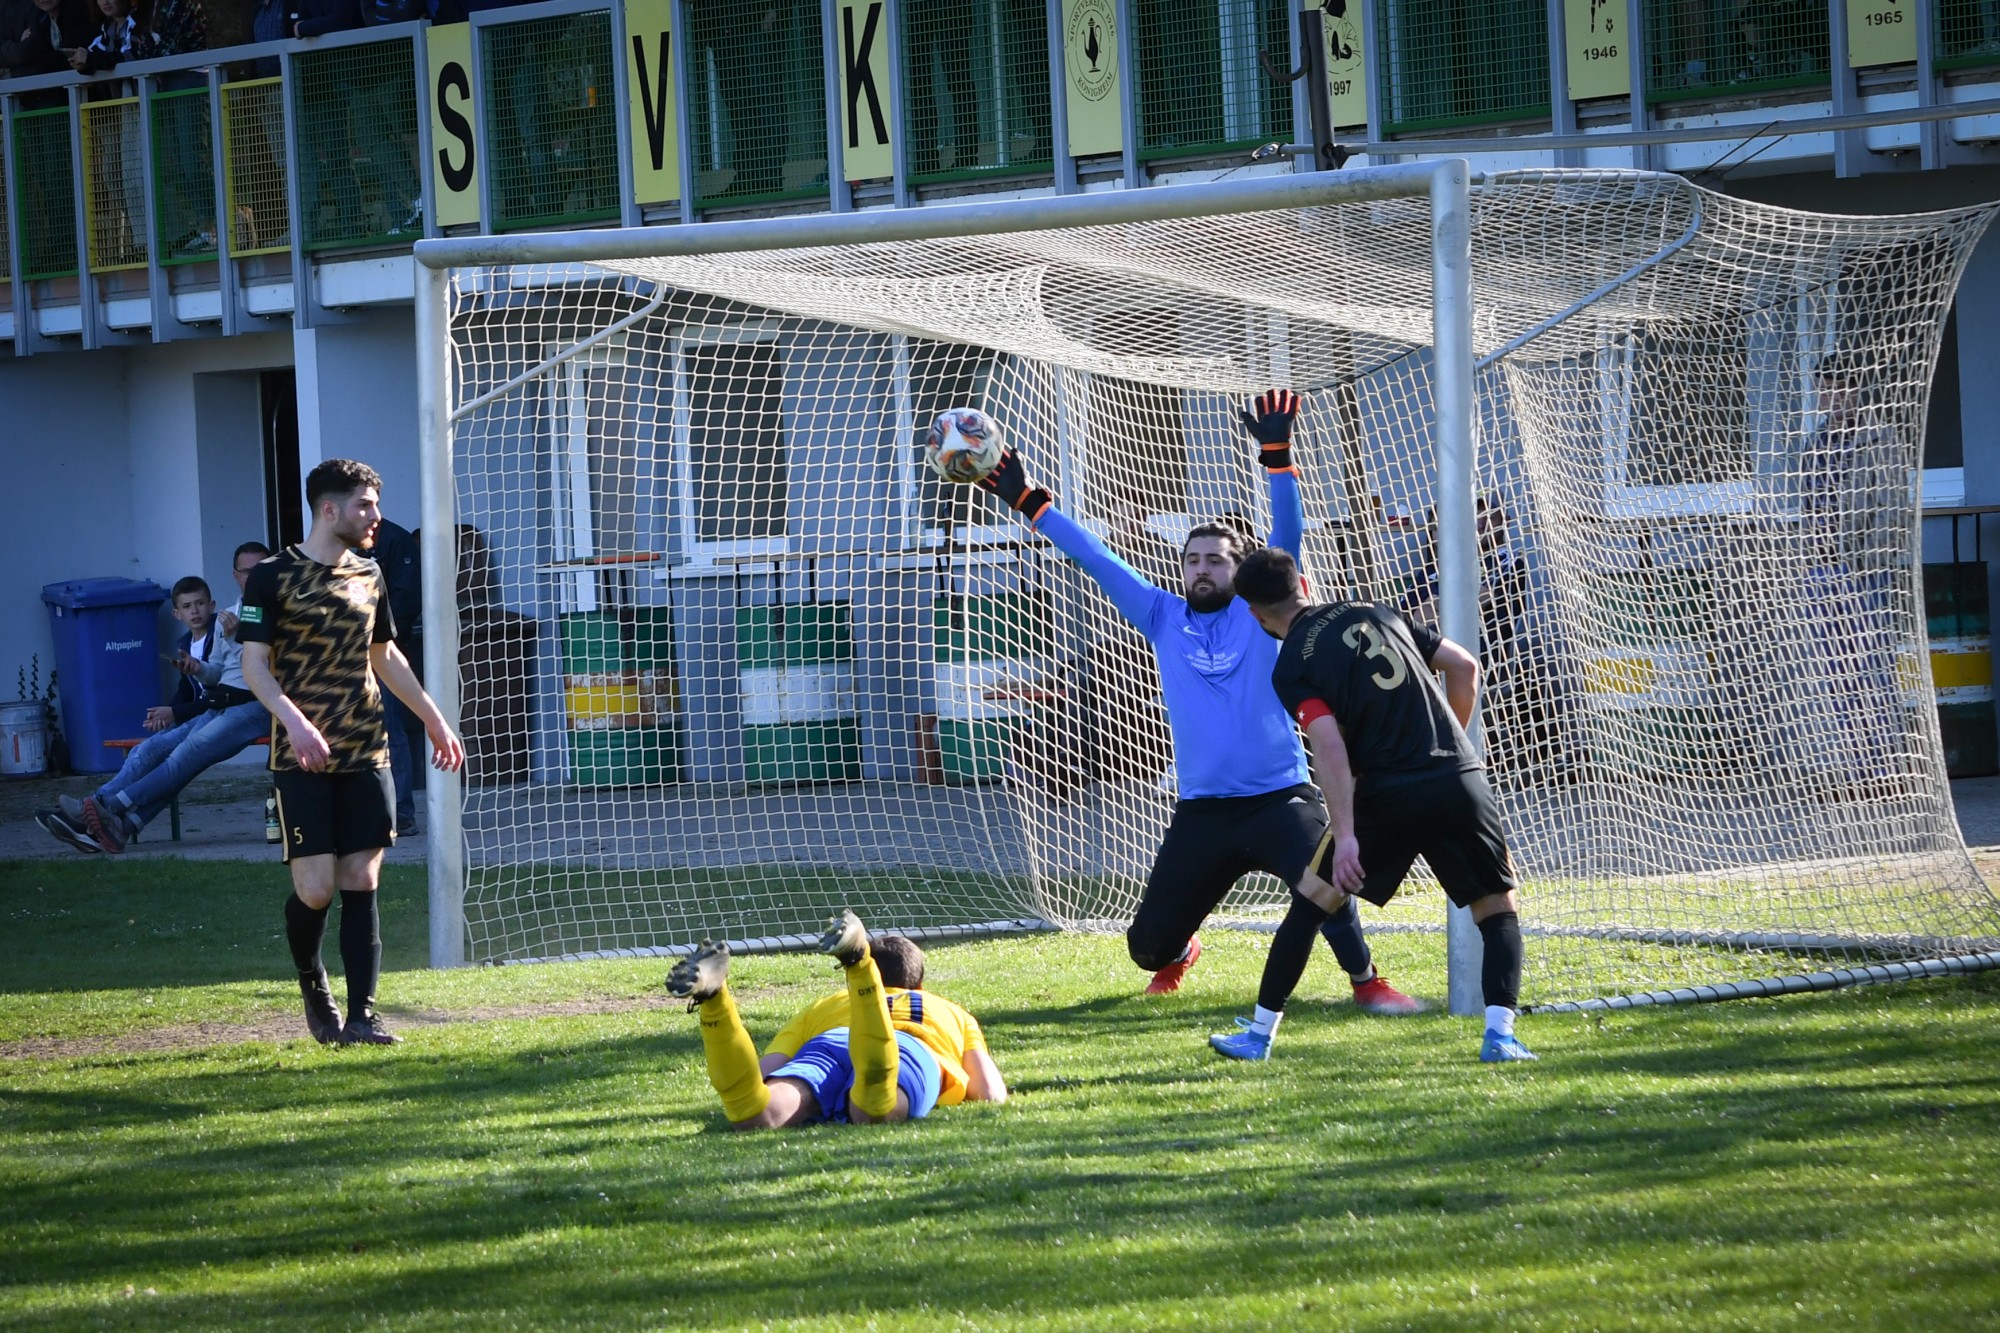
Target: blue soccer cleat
x,y
1244,1045
1500,1049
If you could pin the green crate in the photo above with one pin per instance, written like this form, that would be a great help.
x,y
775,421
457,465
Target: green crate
x,y
1202,89
1448,62
625,757
757,101
798,720
551,121
631,653
966,632
1699,50
1955,600
1968,34
183,176
355,110
45,205
976,88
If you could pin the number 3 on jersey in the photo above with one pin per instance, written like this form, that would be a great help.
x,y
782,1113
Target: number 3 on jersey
x,y
1353,638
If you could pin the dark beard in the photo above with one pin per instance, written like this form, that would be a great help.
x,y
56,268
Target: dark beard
x,y
1212,600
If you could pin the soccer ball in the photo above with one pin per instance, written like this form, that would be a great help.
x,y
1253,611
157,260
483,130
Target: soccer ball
x,y
963,445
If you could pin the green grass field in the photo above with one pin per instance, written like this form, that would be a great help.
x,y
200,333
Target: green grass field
x,y
544,1151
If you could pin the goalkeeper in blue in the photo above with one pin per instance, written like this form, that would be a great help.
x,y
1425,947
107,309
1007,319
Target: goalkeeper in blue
x,y
1245,802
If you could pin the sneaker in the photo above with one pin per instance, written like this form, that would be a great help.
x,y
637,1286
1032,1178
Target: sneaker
x,y
1168,979
322,1016
700,975
406,828
1244,1045
1501,1049
55,823
72,808
366,1029
1378,997
846,939
106,825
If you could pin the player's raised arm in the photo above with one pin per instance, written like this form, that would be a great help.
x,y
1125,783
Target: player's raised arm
x,y
1269,420
1135,597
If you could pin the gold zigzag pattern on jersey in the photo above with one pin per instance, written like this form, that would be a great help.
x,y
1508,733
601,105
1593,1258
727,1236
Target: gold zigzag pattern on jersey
x,y
321,658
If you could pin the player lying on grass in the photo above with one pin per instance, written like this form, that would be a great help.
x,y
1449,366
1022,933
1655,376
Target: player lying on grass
x,y
1400,775
1244,801
882,1049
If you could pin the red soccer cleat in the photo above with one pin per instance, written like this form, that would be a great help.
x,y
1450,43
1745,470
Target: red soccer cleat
x,y
1378,997
1168,979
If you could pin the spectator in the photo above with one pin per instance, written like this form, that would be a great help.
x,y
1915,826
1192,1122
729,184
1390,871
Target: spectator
x,y
54,29
177,28
395,550
118,29
213,715
316,18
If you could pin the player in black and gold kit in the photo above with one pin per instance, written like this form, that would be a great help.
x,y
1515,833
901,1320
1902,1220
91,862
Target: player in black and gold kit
x,y
1401,777
316,634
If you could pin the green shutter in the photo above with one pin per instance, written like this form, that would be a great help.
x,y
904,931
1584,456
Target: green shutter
x,y
357,146
1720,51
1461,62
976,88
756,97
1202,89
46,204
551,121
183,176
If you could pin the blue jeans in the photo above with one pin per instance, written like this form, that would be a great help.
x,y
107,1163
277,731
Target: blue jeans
x,y
403,754
154,773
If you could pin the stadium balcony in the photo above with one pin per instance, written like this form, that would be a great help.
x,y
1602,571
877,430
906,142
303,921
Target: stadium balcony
x,y
233,190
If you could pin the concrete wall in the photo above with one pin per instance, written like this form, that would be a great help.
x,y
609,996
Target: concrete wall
x,y
358,399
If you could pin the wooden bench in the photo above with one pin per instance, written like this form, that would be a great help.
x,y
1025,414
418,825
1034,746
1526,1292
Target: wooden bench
x,y
173,806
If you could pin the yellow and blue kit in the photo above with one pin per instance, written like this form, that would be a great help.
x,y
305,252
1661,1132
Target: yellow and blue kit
x,y
942,1031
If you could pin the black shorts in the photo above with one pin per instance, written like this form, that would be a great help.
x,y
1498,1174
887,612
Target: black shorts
x,y
1212,842
1449,819
334,814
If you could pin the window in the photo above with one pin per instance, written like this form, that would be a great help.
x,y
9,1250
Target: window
x,y
729,444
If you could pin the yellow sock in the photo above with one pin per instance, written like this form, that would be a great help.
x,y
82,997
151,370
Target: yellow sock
x,y
732,1059
870,1041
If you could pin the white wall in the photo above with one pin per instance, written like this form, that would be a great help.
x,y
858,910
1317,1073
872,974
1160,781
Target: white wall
x,y
193,470
358,399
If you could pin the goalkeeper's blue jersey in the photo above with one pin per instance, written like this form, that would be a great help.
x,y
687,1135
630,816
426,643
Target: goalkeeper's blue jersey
x,y
1232,735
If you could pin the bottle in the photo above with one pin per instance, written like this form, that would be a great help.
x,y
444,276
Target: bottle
x,y
271,833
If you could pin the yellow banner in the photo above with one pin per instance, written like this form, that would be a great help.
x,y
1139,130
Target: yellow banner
x,y
1880,32
861,39
1600,58
1090,77
1346,75
649,81
454,126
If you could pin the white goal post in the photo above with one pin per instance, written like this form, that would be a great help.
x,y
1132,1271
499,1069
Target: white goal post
x,y
726,657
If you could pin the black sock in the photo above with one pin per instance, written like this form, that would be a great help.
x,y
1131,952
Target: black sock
x,y
360,948
1500,974
1291,950
305,927
1343,931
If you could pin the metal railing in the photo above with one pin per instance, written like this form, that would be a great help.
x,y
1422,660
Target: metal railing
x,y
208,171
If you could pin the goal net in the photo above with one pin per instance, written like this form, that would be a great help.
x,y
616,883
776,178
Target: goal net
x,y
730,658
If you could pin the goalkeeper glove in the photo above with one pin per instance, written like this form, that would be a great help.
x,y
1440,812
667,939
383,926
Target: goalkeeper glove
x,y
1269,420
1009,481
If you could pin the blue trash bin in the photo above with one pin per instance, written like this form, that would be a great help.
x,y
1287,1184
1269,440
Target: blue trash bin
x,y
107,663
